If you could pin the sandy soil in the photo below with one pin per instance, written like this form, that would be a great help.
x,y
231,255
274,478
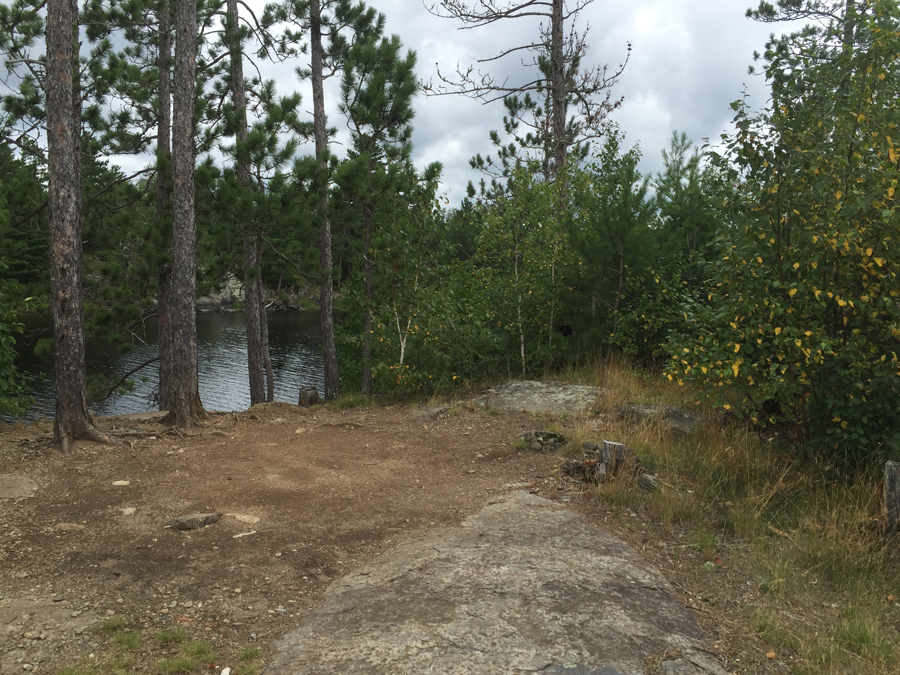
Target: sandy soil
x,y
85,560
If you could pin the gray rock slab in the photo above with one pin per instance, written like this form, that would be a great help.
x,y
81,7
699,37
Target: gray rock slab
x,y
16,487
523,586
537,397
674,419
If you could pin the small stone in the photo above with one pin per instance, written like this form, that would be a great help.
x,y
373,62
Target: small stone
x,y
22,575
164,610
194,521
121,483
17,487
238,590
278,555
648,482
471,471
110,612
128,511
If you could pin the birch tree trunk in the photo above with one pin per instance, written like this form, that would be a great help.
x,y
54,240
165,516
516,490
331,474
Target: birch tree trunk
x,y
369,267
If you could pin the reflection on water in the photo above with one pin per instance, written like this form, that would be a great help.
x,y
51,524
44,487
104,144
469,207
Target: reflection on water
x,y
222,355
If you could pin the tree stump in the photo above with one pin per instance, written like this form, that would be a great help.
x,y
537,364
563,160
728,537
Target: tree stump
x,y
308,396
891,497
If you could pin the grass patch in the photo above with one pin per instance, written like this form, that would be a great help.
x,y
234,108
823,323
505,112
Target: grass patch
x,y
351,401
128,641
201,650
250,653
177,664
112,625
171,636
806,544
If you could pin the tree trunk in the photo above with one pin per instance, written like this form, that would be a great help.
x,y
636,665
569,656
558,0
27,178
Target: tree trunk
x,y
186,408
252,244
369,267
326,273
72,419
254,316
164,203
558,84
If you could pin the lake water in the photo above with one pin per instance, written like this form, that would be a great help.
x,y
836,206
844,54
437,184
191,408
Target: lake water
x,y
294,345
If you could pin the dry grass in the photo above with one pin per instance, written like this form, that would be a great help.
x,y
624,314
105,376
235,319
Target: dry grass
x,y
806,573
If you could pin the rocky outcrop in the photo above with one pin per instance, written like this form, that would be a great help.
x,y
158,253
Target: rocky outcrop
x,y
541,397
672,418
523,586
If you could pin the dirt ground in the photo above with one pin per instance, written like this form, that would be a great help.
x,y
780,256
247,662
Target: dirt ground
x,y
86,560
93,581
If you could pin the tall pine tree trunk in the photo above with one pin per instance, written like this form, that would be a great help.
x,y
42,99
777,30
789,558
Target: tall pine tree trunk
x,y
558,84
369,266
186,408
164,203
253,317
326,273
72,419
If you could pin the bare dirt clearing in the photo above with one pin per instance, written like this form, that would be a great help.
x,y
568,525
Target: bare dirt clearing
x,y
89,558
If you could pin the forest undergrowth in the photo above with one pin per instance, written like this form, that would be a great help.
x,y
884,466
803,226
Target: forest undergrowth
x,y
785,558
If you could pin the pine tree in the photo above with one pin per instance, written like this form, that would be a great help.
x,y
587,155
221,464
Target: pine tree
x,y
332,19
377,90
72,420
576,101
186,408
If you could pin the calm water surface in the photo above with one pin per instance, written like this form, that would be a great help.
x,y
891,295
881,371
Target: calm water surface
x,y
222,353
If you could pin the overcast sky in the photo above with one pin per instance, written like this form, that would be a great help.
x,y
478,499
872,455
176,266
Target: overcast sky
x,y
688,63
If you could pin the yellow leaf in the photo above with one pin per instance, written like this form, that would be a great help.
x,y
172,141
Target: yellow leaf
x,y
861,118
736,366
759,260
879,261
890,192
796,266
798,343
792,292
737,348
838,194
841,302
778,331
869,251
